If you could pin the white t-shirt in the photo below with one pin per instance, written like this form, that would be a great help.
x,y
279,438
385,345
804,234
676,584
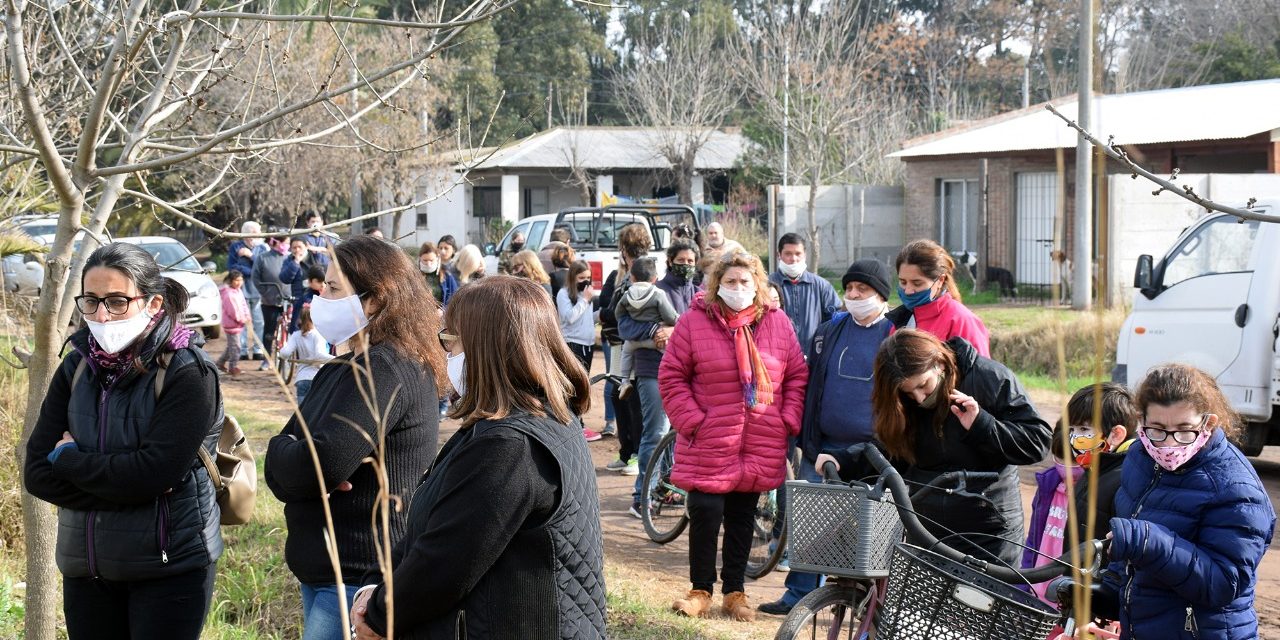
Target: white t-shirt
x,y
309,347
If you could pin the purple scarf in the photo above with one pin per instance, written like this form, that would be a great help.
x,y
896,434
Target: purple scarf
x,y
112,365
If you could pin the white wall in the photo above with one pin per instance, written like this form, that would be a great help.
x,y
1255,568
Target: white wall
x,y
1142,223
854,221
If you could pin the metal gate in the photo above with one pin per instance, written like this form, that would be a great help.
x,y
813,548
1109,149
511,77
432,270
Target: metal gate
x,y
1036,268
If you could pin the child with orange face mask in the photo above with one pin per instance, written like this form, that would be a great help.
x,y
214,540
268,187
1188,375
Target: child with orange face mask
x,y
1105,446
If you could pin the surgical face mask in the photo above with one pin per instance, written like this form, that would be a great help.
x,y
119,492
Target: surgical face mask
x,y
931,400
430,266
1172,458
338,320
917,299
114,335
793,270
737,299
864,307
456,366
683,271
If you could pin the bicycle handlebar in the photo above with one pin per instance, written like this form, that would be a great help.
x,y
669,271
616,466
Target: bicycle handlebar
x,y
917,531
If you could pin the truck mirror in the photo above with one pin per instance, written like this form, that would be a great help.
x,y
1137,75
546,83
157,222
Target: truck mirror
x,y
1143,276
209,266
490,249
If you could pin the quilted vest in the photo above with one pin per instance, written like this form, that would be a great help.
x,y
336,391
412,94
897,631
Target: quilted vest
x,y
175,533
549,584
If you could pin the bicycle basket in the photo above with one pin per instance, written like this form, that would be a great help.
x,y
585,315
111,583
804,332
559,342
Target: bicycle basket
x,y
841,530
931,597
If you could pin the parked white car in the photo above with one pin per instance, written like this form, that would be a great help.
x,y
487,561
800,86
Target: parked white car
x,y
1212,301
205,307
24,274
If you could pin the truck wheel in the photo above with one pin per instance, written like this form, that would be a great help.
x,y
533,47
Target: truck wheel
x,y
1253,438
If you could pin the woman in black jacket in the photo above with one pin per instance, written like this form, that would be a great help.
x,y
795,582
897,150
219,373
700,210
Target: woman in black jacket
x,y
504,538
377,401
942,407
138,533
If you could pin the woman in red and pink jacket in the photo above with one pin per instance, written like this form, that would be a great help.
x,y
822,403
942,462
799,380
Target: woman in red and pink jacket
x,y
732,381
931,299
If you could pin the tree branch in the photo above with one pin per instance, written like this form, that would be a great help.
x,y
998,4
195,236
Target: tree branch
x,y
1183,191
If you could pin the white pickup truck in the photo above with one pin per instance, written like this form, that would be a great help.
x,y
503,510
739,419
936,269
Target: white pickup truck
x,y
593,233
1213,301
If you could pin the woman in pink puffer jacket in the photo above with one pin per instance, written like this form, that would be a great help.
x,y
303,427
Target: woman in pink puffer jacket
x,y
732,381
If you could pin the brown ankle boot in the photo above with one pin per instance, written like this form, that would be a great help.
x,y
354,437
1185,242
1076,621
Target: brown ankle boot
x,y
735,606
694,605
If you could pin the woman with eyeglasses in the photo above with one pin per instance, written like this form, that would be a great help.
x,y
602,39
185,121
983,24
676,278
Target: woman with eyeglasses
x,y
377,400
138,533
939,407
503,537
1192,518
733,382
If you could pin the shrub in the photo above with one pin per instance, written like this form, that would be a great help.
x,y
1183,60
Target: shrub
x,y
1089,340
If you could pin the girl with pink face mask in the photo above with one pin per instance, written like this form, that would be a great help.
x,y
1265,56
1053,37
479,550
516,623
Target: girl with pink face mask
x,y
1192,518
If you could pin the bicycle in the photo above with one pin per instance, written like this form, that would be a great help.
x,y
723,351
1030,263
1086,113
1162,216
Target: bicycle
x,y
892,590
287,366
662,510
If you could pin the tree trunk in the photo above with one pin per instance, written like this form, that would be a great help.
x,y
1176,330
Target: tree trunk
x,y
814,242
684,185
39,524
584,190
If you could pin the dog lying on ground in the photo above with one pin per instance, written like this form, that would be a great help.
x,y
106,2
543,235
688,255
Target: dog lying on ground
x,y
999,275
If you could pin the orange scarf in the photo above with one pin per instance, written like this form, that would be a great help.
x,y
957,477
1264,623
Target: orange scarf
x,y
757,388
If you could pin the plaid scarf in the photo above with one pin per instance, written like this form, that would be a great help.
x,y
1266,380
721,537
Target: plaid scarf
x,y
757,388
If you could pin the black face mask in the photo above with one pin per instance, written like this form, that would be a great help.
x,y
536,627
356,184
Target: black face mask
x,y
516,247
582,286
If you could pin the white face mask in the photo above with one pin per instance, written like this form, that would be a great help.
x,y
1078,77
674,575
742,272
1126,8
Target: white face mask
x,y
114,335
737,299
864,307
457,369
794,270
338,320
429,267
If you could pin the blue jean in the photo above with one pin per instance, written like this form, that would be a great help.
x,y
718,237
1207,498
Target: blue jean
x,y
302,386
255,310
799,583
321,617
608,386
655,426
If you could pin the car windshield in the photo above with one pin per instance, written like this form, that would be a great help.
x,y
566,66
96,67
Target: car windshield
x,y
34,229
171,256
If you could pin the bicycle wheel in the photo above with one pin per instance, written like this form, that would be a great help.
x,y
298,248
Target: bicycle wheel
x,y
769,532
662,504
827,613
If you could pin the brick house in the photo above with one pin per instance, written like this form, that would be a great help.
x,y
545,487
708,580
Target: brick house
x,y
1026,209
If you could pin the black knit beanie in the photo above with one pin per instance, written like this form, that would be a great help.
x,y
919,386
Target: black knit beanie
x,y
872,273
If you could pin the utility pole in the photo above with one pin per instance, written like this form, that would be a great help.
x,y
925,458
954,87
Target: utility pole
x,y
548,104
1082,278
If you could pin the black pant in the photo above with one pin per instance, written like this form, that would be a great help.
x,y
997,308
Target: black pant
x,y
172,607
630,421
270,322
737,511
584,353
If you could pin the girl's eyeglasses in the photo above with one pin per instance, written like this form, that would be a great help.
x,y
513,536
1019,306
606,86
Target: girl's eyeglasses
x,y
1155,434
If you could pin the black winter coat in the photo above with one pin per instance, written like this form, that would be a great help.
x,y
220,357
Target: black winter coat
x,y
135,503
503,540
1007,432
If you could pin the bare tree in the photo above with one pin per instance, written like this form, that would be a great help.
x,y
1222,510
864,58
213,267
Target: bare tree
x,y
112,95
677,84
813,75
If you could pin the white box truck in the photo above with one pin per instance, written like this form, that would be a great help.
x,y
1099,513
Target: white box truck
x,y
1213,301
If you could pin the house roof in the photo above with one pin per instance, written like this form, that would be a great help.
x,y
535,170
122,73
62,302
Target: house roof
x,y
601,148
1211,112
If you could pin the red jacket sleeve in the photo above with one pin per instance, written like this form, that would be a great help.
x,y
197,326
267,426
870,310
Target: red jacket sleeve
x,y
795,380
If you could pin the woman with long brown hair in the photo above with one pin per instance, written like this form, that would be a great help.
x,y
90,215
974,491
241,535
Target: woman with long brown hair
x,y
733,381
931,301
378,399
942,407
504,536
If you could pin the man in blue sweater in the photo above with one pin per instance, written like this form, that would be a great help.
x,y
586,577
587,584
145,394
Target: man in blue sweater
x,y
808,299
240,257
837,407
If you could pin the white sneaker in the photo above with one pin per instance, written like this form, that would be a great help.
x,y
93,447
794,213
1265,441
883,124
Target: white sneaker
x,y
632,468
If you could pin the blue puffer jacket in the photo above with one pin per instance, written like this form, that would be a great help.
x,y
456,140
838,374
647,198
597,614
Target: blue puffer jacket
x,y
1185,561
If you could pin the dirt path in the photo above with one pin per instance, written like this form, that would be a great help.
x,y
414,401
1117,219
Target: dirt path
x,y
659,572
